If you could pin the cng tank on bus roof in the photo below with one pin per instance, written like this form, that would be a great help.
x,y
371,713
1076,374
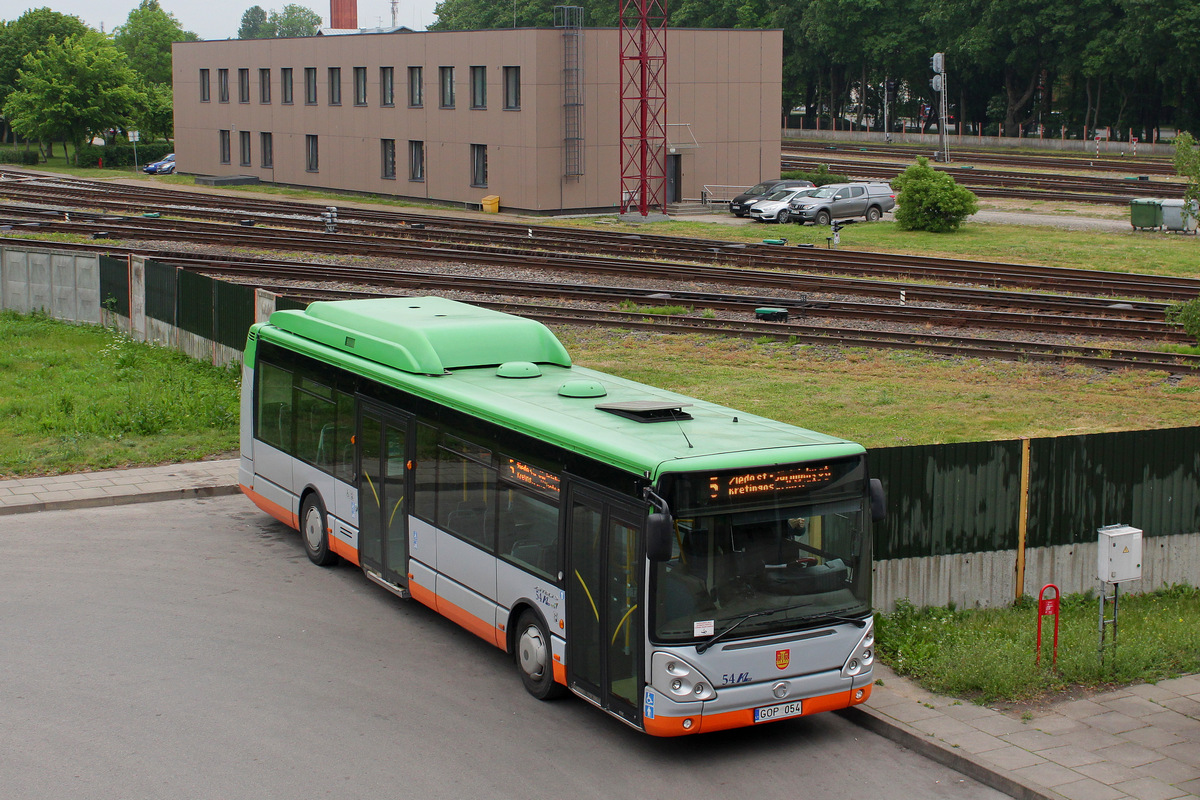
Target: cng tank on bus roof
x,y
424,335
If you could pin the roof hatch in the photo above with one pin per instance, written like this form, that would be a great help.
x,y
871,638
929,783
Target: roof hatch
x,y
647,410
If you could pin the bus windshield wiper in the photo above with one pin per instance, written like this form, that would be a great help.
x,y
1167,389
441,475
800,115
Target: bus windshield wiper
x,y
700,648
861,622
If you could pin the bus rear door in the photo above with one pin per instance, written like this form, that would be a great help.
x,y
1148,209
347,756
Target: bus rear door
x,y
382,489
604,574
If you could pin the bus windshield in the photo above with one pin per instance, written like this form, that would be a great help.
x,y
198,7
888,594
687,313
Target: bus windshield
x,y
789,564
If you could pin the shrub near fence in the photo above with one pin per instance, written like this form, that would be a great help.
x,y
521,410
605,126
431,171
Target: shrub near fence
x,y
13,155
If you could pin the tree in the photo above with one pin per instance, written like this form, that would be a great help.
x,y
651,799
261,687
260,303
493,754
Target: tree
x,y
27,34
255,25
1186,315
156,117
930,200
1187,164
146,38
74,89
295,20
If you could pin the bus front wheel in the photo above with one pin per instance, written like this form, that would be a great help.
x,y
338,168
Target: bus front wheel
x,y
535,660
314,532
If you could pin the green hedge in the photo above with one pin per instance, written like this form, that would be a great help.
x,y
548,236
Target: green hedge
x,y
121,155
12,155
821,177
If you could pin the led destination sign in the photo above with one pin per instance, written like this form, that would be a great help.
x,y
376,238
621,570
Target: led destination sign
x,y
540,479
753,484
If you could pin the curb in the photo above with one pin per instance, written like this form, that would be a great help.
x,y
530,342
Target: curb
x,y
121,499
935,750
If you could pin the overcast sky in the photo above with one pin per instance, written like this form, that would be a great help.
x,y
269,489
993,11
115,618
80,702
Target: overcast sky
x,y
219,19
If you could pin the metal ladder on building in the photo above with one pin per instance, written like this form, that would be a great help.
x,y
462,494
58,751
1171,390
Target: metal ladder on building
x,y
570,20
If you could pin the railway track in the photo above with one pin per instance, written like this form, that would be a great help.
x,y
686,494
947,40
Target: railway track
x,y
438,230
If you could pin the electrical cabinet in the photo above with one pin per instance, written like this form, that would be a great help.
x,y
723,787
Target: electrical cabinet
x,y
1119,555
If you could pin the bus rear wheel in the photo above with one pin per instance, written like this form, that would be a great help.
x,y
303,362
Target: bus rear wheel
x,y
314,532
535,660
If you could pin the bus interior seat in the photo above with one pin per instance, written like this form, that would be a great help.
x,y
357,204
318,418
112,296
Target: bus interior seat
x,y
325,445
468,520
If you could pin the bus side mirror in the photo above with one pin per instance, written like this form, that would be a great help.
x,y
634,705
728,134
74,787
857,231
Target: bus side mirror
x,y
659,533
878,501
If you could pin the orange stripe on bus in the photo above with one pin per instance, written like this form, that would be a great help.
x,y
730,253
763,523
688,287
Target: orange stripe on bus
x,y
343,549
744,718
457,615
277,511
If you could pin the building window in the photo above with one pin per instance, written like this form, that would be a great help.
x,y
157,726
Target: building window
x,y
265,146
388,153
311,162
243,85
360,86
446,82
478,87
204,96
244,144
264,86
479,165
416,87
416,161
512,88
285,85
387,86
335,86
224,142
223,85
310,86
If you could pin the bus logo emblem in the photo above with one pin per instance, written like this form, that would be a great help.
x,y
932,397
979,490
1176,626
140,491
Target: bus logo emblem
x,y
783,658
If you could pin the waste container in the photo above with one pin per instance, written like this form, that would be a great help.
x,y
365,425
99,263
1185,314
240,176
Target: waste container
x,y
1176,218
491,203
1145,213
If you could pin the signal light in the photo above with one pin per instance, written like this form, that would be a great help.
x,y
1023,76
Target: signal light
x,y
938,63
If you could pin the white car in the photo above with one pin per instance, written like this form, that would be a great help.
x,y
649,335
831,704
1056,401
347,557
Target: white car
x,y
774,207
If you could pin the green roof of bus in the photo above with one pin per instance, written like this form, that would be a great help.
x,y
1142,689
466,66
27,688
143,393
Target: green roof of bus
x,y
449,352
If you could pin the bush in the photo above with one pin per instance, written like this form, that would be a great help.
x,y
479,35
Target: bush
x,y
929,200
11,155
121,155
821,177
1186,315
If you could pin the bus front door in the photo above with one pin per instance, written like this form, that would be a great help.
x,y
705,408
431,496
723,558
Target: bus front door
x,y
604,608
382,479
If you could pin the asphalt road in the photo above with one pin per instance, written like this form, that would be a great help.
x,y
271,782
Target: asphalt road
x,y
188,649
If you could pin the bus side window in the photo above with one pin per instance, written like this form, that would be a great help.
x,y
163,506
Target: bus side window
x,y
275,406
465,498
529,532
343,438
425,495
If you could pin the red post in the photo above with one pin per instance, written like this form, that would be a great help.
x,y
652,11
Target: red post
x,y
1047,606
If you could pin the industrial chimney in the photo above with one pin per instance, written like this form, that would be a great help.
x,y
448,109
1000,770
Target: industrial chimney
x,y
343,14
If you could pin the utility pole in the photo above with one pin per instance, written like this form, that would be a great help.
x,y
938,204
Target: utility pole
x,y
938,64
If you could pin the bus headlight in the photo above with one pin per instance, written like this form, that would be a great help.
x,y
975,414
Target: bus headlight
x,y
676,678
863,655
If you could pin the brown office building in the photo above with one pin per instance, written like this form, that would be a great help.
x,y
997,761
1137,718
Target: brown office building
x,y
529,115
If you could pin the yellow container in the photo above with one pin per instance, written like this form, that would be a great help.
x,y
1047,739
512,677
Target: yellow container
x,y
491,203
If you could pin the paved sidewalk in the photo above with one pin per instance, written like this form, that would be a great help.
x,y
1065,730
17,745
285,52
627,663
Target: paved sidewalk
x,y
1139,743
1142,742
117,486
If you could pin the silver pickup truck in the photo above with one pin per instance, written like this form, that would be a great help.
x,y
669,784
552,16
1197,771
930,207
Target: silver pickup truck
x,y
841,200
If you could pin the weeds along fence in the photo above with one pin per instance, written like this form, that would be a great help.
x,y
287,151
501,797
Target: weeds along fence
x,y
970,524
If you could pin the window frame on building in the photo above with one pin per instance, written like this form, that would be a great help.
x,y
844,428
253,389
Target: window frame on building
x,y
479,177
205,86
478,87
224,146
416,87
222,85
264,86
335,86
310,86
244,148
387,155
360,86
266,148
286,94
512,88
312,153
387,87
445,87
416,160
243,84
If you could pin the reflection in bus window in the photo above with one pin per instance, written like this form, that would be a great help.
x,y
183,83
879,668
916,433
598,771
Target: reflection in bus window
x,y
528,532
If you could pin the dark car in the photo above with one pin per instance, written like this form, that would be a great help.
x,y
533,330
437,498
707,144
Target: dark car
x,y
740,205
163,167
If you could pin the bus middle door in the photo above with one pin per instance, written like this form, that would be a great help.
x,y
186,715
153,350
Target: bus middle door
x,y
605,633
382,492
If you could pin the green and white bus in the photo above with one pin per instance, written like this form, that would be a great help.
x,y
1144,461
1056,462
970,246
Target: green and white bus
x,y
683,566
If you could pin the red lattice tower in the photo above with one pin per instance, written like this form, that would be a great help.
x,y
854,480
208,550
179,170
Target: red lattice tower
x,y
643,104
